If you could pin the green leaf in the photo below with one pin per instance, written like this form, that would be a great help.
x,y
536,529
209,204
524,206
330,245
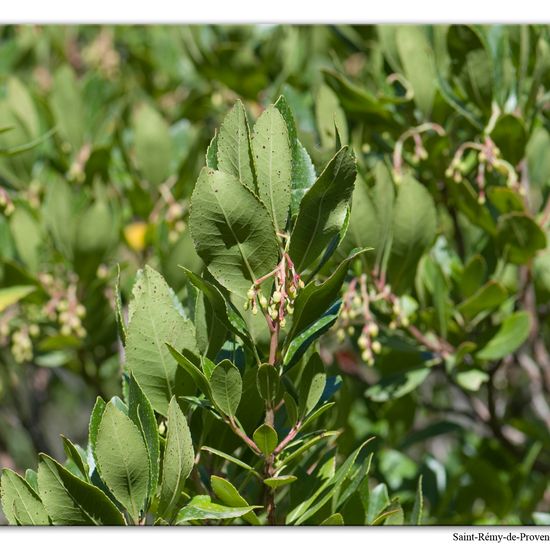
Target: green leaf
x,y
11,295
475,272
334,519
510,336
23,106
273,161
397,385
330,118
471,379
416,57
279,481
95,420
306,445
301,343
378,502
67,107
72,501
510,136
153,144
291,409
121,325
234,151
232,459
303,171
505,200
26,235
268,382
201,508
314,300
142,415
179,458
232,230
123,460
196,374
73,453
358,101
223,309
487,298
414,229
229,495
370,223
312,384
14,490
418,507
212,153
323,210
227,386
520,237
325,492
266,439
155,321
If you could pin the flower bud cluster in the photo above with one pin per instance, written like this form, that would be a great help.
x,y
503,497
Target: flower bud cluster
x,y
357,315
287,283
488,160
64,306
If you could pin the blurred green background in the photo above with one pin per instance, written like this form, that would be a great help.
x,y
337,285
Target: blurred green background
x,y
103,130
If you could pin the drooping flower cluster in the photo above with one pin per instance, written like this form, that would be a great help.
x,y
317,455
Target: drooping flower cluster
x,y
357,314
287,283
487,156
64,306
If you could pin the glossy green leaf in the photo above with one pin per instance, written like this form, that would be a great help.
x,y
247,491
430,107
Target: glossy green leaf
x,y
323,210
153,323
279,481
201,508
334,519
232,230
230,458
179,458
71,501
123,460
510,336
471,379
226,385
229,496
15,491
304,339
234,151
266,439
273,162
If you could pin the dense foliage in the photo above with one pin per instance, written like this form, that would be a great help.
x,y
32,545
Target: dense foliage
x,y
351,325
